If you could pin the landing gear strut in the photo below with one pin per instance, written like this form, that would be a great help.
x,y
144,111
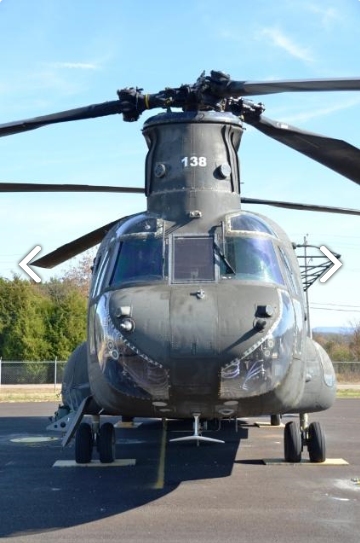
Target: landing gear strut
x,y
297,435
197,433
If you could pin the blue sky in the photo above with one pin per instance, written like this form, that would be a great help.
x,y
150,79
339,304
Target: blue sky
x,y
62,54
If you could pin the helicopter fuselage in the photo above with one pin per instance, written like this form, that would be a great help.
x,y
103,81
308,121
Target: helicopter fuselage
x,y
184,321
196,306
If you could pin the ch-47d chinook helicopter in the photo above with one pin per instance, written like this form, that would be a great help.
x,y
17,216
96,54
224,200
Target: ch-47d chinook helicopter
x,y
196,307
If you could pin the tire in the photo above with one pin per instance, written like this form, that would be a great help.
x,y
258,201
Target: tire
x,y
275,420
316,443
83,444
292,442
106,443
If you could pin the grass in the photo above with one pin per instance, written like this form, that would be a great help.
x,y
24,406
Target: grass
x,y
29,394
348,393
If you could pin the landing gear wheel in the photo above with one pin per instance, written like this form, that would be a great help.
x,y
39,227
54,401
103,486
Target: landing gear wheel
x,y
106,443
84,442
292,442
316,443
275,420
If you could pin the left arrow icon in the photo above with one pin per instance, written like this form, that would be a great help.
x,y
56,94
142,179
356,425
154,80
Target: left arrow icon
x,y
25,261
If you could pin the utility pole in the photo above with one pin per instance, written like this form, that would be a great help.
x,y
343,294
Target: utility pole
x,y
307,290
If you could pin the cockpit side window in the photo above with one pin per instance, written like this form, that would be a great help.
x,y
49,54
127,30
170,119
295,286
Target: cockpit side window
x,y
139,260
193,259
101,266
291,279
252,259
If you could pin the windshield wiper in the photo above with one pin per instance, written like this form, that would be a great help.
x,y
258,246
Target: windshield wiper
x,y
229,268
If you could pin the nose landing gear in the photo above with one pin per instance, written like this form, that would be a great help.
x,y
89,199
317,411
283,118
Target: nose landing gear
x,y
296,436
84,442
89,436
316,443
197,435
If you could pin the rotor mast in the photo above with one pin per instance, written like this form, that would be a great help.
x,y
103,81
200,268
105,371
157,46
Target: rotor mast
x,y
192,166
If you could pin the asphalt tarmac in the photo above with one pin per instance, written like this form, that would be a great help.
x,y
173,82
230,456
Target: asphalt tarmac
x,y
178,492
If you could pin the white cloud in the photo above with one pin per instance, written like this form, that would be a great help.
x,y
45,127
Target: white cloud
x,y
44,76
279,39
76,65
327,16
324,111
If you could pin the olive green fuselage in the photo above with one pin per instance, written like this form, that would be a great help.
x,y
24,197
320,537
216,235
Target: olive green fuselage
x,y
196,306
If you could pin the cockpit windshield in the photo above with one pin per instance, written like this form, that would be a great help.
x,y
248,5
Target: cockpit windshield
x,y
251,259
139,260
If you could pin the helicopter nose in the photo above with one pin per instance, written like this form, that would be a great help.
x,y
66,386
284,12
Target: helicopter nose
x,y
193,322
264,356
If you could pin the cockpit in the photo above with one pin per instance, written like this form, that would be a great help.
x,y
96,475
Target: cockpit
x,y
242,247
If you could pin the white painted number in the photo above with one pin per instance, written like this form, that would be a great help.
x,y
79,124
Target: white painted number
x,y
194,161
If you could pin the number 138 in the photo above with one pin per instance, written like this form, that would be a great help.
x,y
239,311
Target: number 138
x,y
193,161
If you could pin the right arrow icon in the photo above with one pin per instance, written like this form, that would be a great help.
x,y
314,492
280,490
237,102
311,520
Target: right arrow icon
x,y
336,262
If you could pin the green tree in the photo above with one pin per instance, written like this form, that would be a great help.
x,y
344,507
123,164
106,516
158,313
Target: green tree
x,y
355,343
66,321
337,346
22,325
79,274
41,321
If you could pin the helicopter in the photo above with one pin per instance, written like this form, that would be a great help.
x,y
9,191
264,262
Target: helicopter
x,y
196,307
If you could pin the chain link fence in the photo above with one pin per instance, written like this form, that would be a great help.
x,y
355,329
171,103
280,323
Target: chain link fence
x,y
15,372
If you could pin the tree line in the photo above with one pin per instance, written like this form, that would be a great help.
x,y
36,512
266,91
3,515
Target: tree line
x,y
47,320
40,322
341,347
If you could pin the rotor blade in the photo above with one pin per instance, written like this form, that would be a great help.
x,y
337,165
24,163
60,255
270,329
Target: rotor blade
x,y
301,207
87,112
73,248
338,155
251,88
46,187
